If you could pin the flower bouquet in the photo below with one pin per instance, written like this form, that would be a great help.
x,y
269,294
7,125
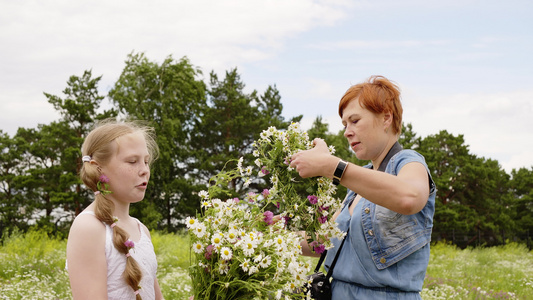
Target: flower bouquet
x,y
240,250
240,253
306,204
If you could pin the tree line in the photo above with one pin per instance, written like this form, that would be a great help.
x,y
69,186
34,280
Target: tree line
x,y
200,126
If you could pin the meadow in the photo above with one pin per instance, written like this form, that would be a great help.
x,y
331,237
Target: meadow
x,y
32,266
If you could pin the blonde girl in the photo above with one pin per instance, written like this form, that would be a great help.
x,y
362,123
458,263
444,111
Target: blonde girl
x,y
109,253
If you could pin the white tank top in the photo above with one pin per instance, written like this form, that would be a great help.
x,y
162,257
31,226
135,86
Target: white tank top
x,y
143,253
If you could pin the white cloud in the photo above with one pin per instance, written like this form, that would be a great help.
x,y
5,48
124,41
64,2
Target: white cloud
x,y
495,126
467,84
45,42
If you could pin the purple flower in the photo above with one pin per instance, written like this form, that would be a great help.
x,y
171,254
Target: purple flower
x,y
323,208
319,249
236,200
209,252
268,215
322,219
251,197
265,193
129,244
103,179
312,199
264,170
277,204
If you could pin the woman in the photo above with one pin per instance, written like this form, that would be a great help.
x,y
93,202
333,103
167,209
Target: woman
x,y
388,215
109,253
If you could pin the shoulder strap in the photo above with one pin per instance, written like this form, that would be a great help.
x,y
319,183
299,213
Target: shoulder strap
x,y
393,150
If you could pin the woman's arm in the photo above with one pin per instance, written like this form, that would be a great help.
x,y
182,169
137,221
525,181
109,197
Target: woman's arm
x,y
406,193
86,262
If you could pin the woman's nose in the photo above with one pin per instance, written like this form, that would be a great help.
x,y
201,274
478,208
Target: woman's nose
x,y
347,132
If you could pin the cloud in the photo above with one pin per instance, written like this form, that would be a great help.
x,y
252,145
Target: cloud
x,y
45,42
495,125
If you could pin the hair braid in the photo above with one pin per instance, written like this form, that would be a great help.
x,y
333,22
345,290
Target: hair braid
x,y
132,273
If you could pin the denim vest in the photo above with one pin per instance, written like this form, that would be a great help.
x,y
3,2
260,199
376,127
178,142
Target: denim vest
x,y
384,249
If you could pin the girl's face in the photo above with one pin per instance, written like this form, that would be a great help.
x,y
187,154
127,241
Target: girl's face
x,y
128,171
365,131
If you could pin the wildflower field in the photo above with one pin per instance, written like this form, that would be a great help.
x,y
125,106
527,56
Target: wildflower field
x,y
32,266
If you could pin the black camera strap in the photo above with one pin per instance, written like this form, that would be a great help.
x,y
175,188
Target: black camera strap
x,y
393,150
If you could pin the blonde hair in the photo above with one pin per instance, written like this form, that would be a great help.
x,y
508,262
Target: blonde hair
x,y
99,145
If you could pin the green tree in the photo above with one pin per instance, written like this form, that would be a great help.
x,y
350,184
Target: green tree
x,y
12,200
521,194
171,98
79,109
470,190
49,182
408,138
230,124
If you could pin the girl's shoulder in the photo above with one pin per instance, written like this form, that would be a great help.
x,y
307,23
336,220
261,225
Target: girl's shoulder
x,y
86,224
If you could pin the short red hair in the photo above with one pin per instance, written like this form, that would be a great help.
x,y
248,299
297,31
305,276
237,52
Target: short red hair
x,y
378,95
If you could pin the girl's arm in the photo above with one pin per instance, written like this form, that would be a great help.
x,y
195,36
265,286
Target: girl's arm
x,y
86,262
157,288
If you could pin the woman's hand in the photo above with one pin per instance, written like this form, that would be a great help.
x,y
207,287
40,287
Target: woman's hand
x,y
317,161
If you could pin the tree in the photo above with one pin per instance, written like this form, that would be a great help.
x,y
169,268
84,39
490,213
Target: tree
x,y
171,99
470,190
12,166
49,181
521,192
231,123
79,110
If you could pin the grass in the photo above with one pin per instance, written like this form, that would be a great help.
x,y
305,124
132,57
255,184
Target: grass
x,y
32,266
503,272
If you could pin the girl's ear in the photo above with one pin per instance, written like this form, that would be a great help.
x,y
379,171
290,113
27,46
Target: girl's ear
x,y
94,163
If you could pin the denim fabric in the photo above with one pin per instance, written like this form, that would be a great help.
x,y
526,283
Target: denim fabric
x,y
383,249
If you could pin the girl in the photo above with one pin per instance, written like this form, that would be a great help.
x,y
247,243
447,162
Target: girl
x,y
110,254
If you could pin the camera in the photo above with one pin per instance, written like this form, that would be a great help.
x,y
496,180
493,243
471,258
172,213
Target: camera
x,y
319,286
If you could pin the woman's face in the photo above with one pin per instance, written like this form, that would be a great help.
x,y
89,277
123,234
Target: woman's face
x,y
128,171
364,130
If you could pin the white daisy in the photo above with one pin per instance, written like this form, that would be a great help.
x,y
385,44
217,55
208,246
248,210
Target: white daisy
x,y
203,194
191,222
200,230
245,265
198,247
225,253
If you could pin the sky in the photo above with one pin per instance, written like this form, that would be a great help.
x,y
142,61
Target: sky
x,y
462,66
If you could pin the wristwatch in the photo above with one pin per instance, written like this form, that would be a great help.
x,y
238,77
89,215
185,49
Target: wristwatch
x,y
339,171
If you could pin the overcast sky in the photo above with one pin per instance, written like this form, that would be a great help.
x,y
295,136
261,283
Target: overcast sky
x,y
463,66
